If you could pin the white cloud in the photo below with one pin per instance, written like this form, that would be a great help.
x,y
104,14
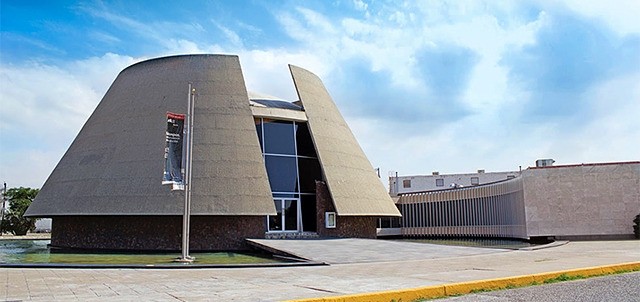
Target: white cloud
x,y
502,143
104,37
621,15
163,33
44,107
494,137
50,103
360,5
613,130
232,36
29,168
266,71
179,46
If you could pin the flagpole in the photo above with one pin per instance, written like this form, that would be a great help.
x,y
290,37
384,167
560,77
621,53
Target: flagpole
x,y
4,201
186,218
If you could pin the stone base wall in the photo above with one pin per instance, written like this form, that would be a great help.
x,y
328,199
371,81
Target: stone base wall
x,y
346,226
155,233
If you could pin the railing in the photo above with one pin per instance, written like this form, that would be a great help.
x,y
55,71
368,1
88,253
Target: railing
x,y
493,210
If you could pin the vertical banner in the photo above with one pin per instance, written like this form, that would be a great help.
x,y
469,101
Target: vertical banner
x,y
173,151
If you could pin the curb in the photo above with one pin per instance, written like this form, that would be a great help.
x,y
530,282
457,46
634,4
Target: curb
x,y
444,290
544,246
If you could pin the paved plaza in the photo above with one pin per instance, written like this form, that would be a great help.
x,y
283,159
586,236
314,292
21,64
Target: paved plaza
x,y
354,250
349,272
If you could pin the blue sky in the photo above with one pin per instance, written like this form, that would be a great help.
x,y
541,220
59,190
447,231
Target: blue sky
x,y
448,86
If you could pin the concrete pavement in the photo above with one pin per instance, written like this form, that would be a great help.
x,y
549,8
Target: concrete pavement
x,y
274,284
353,250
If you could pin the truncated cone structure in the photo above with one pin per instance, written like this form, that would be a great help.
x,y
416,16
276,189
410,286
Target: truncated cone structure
x,y
107,193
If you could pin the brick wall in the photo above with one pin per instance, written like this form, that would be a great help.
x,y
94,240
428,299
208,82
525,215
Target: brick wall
x,y
346,226
158,233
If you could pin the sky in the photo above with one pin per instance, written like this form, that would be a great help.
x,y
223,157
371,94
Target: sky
x,y
448,86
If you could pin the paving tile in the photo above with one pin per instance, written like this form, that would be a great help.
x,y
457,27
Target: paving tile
x,y
437,265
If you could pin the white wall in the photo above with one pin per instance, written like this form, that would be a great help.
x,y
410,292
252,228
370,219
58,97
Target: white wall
x,y
421,183
582,200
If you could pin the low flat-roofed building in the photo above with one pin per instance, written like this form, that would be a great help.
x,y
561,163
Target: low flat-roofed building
x,y
583,201
437,181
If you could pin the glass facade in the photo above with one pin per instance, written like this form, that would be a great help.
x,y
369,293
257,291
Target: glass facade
x,y
292,167
282,172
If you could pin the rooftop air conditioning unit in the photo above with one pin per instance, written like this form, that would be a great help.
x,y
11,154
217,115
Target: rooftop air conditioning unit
x,y
544,162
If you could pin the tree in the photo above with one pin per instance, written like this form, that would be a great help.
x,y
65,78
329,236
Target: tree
x,y
19,200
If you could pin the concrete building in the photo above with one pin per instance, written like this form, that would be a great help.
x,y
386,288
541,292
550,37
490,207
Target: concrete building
x,y
261,167
437,181
598,200
585,201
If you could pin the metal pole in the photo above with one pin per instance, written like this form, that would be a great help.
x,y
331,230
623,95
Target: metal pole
x,y
187,177
396,184
4,200
193,108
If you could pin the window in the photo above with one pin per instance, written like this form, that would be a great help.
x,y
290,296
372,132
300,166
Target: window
x,y
292,168
303,139
440,182
475,181
310,171
259,130
279,137
406,183
308,212
282,173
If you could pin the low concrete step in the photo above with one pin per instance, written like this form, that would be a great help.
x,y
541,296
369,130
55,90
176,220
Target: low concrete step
x,y
292,235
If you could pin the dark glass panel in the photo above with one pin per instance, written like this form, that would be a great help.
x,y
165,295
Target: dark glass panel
x,y
308,209
282,173
309,172
275,221
291,215
303,139
259,131
395,222
385,223
278,137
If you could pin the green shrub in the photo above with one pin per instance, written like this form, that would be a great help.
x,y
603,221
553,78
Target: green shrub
x,y
636,226
14,221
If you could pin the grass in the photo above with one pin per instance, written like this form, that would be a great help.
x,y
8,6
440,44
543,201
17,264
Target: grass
x,y
562,278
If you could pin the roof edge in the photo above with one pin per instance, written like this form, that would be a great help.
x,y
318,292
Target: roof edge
x,y
588,165
177,56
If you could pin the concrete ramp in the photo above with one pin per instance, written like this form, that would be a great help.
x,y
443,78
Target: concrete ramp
x,y
352,250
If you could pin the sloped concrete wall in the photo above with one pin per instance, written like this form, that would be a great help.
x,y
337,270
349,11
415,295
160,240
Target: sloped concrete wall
x,y
115,164
354,187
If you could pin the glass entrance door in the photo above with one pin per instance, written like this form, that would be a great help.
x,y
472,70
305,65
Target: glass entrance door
x,y
288,215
